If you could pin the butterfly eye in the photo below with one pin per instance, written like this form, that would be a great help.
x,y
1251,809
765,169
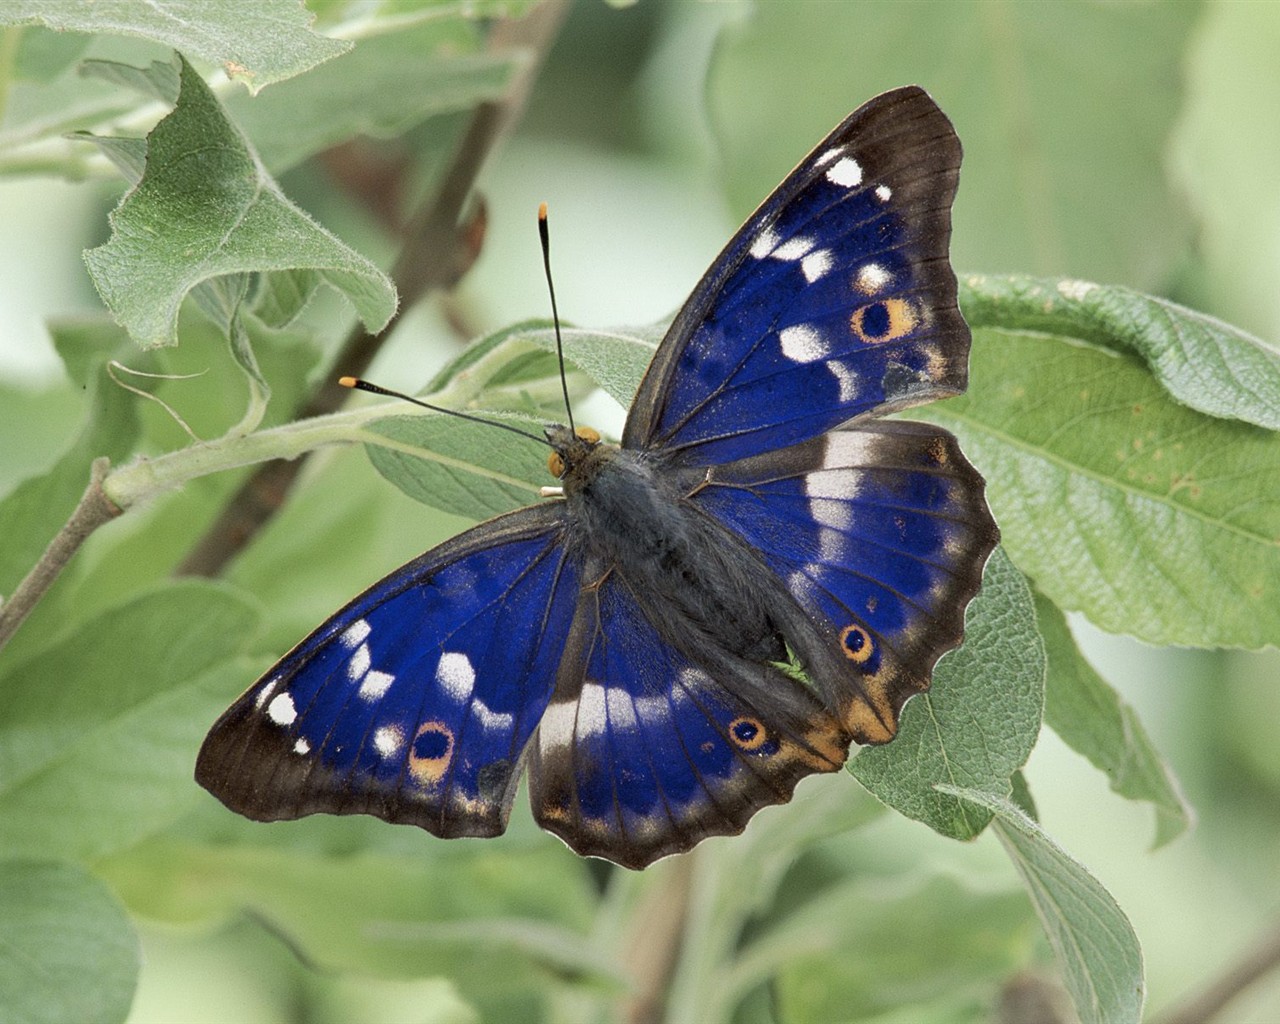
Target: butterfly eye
x,y
588,434
555,463
884,321
856,644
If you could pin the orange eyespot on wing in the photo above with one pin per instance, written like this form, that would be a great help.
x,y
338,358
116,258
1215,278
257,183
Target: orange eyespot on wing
x,y
748,733
886,320
431,751
856,644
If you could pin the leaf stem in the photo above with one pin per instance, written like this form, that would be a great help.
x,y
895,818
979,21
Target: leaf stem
x,y
93,510
1260,959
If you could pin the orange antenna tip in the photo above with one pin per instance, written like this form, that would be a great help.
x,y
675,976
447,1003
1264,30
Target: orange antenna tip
x,y
348,382
542,211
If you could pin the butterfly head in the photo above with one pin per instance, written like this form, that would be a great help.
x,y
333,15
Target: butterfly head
x,y
569,448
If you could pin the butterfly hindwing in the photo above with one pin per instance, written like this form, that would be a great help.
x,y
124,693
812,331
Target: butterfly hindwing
x,y
644,751
416,701
834,299
880,531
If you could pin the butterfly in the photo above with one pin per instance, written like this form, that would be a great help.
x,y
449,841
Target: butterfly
x,y
759,575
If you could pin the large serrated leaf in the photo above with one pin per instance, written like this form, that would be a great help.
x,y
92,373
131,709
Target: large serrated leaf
x,y
1151,519
98,730
69,952
205,208
1083,709
1058,178
1096,947
977,724
257,43
1204,363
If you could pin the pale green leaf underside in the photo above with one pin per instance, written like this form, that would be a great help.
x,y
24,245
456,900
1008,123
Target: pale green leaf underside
x,y
978,723
1150,518
1083,709
205,208
1204,363
257,43
68,952
1094,943
147,678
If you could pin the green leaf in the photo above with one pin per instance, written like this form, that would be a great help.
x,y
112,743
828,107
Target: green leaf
x,y
69,952
1150,518
30,515
206,208
469,469
977,724
1095,945
1204,363
257,43
386,85
1049,185
436,909
869,946
98,730
1092,719
616,360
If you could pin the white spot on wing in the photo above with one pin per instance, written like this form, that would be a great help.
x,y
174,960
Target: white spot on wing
x,y
884,193
491,721
591,710
845,172
846,378
828,156
359,663
802,343
388,740
302,747
847,448
764,244
831,512
831,483
556,728
281,709
872,277
622,714
265,692
793,248
816,264
456,675
375,685
356,633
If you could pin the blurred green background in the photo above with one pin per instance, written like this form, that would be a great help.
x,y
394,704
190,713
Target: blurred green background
x,y
1132,143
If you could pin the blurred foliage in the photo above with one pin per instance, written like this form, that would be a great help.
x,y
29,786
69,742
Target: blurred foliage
x,y
1129,443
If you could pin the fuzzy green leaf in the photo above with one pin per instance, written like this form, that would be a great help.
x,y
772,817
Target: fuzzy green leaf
x,y
1083,709
1095,945
205,208
977,724
469,469
1204,363
257,43
69,952
1150,518
98,731
616,360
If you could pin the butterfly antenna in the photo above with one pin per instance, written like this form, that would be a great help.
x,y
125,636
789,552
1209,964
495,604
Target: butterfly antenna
x,y
545,237
375,389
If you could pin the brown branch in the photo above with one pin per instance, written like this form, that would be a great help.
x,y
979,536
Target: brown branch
x,y
1258,961
657,930
436,253
93,510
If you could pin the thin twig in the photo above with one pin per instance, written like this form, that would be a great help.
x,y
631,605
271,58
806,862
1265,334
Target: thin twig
x,y
1259,960
94,509
437,252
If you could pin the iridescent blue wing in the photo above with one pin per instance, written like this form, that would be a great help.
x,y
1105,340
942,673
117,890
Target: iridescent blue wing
x,y
834,299
880,532
644,752
416,701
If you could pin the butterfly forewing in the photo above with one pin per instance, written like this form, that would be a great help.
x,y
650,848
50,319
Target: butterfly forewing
x,y
835,299
415,702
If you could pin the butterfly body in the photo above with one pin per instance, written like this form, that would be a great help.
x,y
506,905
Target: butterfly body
x,y
762,572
